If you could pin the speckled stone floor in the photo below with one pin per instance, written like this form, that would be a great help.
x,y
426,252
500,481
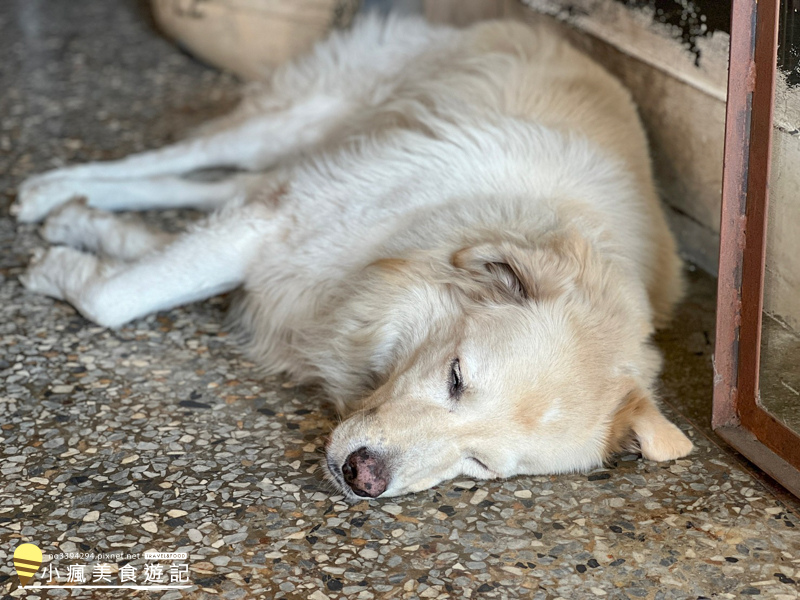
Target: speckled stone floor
x,y
160,436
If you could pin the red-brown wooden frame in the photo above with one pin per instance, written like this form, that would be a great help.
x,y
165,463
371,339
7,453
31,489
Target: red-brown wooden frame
x,y
738,416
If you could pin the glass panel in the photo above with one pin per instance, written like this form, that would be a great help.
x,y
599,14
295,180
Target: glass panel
x,y
780,342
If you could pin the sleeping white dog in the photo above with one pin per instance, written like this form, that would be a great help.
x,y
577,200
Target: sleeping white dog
x,y
455,233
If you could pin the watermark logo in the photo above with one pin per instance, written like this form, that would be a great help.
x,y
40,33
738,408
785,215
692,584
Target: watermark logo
x,y
103,574
27,560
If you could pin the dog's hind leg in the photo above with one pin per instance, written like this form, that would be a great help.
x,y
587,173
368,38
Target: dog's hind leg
x,y
304,105
211,259
251,144
137,194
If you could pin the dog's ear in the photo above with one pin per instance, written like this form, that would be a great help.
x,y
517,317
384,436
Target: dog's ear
x,y
521,273
502,267
639,422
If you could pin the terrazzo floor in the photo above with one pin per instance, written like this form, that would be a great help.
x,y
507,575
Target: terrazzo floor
x,y
161,436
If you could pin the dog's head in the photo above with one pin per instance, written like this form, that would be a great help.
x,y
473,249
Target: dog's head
x,y
511,359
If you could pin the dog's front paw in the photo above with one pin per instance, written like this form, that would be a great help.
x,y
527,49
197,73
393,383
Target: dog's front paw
x,y
59,272
39,195
68,224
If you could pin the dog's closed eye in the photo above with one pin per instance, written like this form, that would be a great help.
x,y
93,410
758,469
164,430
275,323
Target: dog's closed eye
x,y
456,381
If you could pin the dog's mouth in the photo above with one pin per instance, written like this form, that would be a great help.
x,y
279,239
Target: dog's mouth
x,y
480,463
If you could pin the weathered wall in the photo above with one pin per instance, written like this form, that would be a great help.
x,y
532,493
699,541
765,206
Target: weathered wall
x,y
782,277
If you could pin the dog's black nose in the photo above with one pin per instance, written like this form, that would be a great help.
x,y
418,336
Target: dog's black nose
x,y
366,473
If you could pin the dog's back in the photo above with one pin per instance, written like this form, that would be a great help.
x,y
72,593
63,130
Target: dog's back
x,y
502,125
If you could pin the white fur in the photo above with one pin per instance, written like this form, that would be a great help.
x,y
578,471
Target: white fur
x,y
418,193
